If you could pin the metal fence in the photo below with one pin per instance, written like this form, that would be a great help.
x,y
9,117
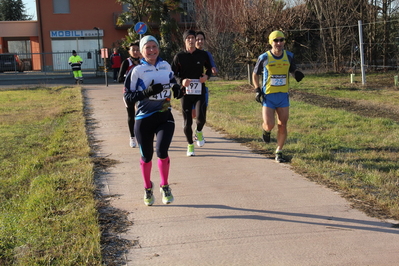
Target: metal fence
x,y
58,61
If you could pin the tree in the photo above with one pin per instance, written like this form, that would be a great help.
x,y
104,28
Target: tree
x,y
237,31
213,18
153,11
161,15
135,13
337,20
13,10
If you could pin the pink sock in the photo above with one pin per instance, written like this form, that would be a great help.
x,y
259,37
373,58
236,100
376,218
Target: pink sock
x,y
146,172
163,166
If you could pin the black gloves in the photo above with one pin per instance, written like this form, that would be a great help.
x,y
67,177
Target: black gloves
x,y
153,89
258,96
177,91
298,75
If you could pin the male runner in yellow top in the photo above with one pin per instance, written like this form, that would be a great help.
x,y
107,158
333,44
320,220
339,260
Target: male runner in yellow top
x,y
275,64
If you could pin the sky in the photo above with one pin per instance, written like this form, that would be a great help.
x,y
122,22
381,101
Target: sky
x,y
30,7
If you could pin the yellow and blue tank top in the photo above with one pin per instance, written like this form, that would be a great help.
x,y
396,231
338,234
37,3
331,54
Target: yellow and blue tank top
x,y
275,71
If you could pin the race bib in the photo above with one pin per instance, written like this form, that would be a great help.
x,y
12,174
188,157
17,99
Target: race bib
x,y
278,80
195,87
165,94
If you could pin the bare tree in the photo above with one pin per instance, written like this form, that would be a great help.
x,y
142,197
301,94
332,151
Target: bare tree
x,y
337,21
320,30
213,18
386,9
237,31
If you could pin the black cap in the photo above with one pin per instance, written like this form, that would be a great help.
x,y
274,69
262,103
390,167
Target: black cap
x,y
135,43
187,33
73,51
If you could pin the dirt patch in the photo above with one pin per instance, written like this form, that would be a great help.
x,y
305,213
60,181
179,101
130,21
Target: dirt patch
x,y
365,109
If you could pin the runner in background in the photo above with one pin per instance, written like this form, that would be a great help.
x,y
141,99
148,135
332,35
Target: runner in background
x,y
200,44
127,65
188,67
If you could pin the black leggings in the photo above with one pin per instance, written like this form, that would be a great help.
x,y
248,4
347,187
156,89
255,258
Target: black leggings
x,y
131,112
161,124
187,103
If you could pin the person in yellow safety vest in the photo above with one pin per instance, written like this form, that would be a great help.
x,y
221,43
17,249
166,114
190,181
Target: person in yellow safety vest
x,y
75,61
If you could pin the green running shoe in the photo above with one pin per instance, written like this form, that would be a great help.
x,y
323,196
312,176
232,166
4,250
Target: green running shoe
x,y
167,196
199,138
148,197
190,150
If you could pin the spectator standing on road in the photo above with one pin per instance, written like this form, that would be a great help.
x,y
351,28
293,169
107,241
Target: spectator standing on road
x,y
275,64
127,65
75,61
150,87
188,67
116,61
200,44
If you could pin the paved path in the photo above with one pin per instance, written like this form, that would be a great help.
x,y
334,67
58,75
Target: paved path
x,y
231,207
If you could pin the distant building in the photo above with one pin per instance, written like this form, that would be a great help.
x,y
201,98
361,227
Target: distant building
x,y
65,25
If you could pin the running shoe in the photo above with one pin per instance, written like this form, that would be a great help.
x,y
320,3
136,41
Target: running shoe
x,y
199,138
266,136
195,138
133,142
167,196
280,158
190,150
148,196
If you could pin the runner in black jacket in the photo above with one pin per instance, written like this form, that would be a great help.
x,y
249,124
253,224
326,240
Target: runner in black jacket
x,y
126,66
189,66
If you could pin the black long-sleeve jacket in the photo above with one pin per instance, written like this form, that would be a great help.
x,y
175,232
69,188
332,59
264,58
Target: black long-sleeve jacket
x,y
191,65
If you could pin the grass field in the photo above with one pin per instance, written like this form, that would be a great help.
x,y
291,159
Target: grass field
x,y
48,213
344,135
341,134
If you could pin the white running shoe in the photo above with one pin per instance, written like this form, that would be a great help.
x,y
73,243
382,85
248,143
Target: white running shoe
x,y
133,142
190,150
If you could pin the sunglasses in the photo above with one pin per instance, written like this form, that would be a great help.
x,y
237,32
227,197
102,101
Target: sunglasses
x,y
279,40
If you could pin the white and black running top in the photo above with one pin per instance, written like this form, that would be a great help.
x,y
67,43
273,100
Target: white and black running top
x,y
142,76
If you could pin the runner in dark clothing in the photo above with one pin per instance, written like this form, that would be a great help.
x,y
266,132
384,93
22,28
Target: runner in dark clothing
x,y
188,67
126,66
